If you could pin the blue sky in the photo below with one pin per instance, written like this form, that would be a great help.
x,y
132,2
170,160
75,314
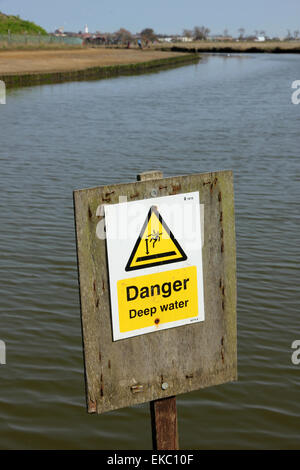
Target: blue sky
x,y
164,16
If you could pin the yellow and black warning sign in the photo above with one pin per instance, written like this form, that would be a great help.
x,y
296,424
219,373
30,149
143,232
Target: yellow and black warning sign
x,y
155,272
156,244
157,299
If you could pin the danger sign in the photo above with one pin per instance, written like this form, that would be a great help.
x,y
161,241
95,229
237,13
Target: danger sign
x,y
146,334
156,244
155,268
157,299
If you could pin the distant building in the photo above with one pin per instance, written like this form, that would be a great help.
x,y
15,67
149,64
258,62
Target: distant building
x,y
185,39
59,31
221,38
260,39
86,29
165,39
174,38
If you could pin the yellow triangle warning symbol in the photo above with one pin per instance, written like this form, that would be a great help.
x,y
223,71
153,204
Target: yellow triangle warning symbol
x,y
156,244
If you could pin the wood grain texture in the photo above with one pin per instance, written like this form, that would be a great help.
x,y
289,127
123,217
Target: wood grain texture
x,y
131,371
164,424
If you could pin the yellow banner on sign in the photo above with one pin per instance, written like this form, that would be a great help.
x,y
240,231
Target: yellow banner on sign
x,y
158,298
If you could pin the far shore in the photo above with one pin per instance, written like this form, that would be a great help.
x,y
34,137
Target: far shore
x,y
277,47
54,65
30,67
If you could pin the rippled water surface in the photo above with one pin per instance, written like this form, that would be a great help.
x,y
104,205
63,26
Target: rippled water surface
x,y
224,113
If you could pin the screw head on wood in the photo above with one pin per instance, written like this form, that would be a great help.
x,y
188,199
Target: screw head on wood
x,y
164,386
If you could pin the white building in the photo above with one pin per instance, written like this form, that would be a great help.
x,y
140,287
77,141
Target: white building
x,y
86,29
186,39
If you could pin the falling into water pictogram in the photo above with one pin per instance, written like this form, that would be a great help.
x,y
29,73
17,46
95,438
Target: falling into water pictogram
x,y
156,244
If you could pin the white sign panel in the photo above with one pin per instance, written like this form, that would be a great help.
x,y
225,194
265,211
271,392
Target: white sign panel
x,y
154,252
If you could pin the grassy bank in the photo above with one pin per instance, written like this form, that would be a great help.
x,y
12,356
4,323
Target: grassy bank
x,y
276,47
16,25
97,72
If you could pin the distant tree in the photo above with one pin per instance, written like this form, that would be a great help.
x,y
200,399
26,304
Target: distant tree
x,y
242,32
296,34
288,35
200,33
262,33
148,34
123,35
109,38
187,33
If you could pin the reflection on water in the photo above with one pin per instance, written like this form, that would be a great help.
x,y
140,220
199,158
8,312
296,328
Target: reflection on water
x,y
226,112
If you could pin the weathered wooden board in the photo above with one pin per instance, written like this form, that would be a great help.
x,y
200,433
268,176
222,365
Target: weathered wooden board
x,y
131,371
164,424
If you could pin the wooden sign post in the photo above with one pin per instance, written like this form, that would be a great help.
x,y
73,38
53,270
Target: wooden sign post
x,y
163,412
132,353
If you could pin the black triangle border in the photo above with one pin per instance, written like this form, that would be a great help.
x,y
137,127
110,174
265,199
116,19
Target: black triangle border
x,y
153,209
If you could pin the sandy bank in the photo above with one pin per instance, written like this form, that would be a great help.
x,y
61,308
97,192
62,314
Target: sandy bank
x,y
46,66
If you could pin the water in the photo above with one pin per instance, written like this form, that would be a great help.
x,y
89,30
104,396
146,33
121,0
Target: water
x,y
224,113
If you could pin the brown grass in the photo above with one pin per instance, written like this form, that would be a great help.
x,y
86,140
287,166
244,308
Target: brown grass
x,y
233,46
48,61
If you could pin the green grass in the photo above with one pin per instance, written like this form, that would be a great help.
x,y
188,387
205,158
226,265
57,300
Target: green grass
x,y
16,25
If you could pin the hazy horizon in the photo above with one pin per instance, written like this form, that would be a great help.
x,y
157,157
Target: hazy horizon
x,y
171,17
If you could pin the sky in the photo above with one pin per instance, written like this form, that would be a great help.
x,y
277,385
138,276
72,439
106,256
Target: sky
x,y
164,16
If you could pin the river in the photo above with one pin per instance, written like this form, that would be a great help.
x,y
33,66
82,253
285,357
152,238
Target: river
x,y
227,112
